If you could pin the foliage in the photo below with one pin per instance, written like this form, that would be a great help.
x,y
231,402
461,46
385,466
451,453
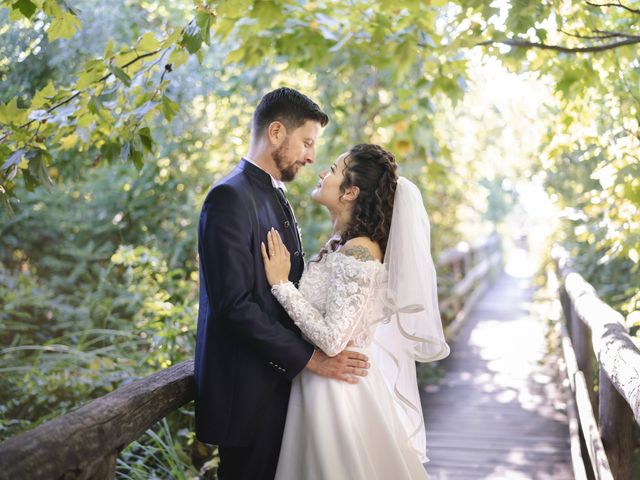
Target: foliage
x,y
590,155
84,309
105,112
157,454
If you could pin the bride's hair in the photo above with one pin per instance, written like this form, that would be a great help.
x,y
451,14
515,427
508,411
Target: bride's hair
x,y
374,171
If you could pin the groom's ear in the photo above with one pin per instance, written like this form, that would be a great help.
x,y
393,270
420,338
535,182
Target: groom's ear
x,y
276,133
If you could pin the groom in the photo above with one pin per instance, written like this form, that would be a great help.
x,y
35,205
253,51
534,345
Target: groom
x,y
247,348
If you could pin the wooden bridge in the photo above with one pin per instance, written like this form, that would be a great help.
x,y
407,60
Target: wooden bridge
x,y
499,413
509,407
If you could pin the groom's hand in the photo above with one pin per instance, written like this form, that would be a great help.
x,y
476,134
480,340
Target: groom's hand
x,y
341,367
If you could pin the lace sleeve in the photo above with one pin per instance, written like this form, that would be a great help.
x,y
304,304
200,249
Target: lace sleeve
x,y
350,285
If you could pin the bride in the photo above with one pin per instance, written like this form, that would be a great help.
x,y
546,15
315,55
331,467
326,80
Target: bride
x,y
372,288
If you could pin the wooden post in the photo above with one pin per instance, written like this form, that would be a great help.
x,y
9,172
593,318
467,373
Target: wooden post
x,y
595,323
456,273
581,340
566,307
597,455
582,345
570,367
615,419
467,262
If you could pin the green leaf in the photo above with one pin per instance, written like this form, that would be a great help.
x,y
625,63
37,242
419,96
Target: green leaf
x,y
90,76
146,139
204,21
15,15
224,27
51,8
110,150
85,119
4,199
542,34
269,14
233,8
26,7
63,26
108,50
11,114
131,151
405,55
148,42
235,56
173,38
192,39
96,107
169,108
121,75
42,97
5,152
38,167
137,158
124,57
178,57
68,141
569,77
30,182
85,79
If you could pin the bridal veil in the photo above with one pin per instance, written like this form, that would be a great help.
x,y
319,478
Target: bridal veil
x,y
411,330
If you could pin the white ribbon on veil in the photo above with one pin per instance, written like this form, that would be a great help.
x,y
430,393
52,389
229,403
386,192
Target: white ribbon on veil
x,y
412,329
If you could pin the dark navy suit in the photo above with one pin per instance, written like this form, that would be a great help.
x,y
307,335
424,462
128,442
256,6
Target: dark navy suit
x,y
247,348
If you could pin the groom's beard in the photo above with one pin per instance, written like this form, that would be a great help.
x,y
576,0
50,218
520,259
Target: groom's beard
x,y
280,158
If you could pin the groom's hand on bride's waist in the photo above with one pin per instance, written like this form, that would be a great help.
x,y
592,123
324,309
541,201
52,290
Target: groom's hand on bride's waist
x,y
341,367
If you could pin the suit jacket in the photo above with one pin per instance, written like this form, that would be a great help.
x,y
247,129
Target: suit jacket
x,y
246,343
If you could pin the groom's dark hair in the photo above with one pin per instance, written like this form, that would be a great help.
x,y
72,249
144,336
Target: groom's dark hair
x,y
287,106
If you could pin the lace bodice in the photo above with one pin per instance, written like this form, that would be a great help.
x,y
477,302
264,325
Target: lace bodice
x,y
337,301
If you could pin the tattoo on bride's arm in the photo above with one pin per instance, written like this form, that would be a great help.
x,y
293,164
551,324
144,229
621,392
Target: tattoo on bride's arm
x,y
359,252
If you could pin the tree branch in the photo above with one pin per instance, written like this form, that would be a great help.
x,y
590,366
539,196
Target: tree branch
x,y
77,94
600,35
559,48
613,34
144,55
619,5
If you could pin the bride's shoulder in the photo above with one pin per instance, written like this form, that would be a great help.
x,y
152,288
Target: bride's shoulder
x,y
363,249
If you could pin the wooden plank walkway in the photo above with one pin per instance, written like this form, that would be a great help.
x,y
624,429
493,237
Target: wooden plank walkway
x,y
499,413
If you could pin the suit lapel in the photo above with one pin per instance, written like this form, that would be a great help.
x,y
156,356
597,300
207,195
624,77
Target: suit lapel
x,y
263,193
292,216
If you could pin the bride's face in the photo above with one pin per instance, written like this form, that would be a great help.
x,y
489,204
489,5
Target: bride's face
x,y
327,191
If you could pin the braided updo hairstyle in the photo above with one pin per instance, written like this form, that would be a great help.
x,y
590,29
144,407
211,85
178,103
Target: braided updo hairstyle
x,y
374,171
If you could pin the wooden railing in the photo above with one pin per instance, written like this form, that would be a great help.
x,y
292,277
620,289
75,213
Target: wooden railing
x,y
469,269
595,340
85,443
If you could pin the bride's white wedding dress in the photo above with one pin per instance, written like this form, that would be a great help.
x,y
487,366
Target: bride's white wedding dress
x,y
335,430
